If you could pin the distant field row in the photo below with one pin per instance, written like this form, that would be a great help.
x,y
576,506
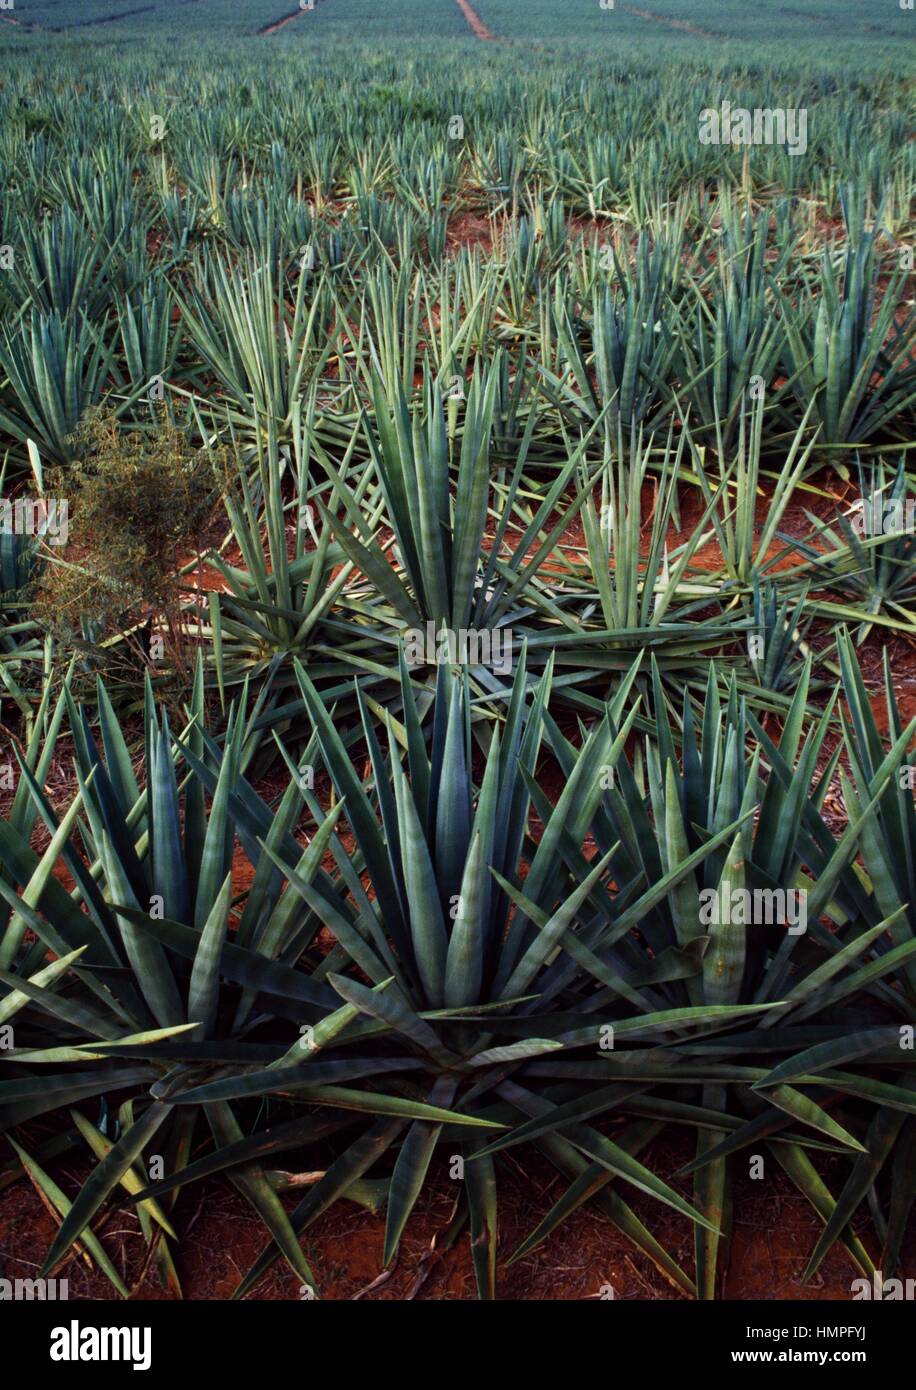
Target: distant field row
x,y
356,19
813,22
797,27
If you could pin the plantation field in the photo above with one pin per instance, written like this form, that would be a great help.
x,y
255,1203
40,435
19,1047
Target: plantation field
x,y
731,29
359,21
726,30
457,648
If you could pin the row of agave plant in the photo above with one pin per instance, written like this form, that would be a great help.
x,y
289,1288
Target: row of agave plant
x,y
372,974
419,942
469,515
681,311
320,126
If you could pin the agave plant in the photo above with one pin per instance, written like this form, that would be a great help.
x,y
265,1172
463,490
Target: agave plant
x,y
887,844
746,546
458,411
633,598
56,369
472,970
411,317
887,853
846,350
61,268
149,341
621,356
280,601
452,572
710,827
876,968
737,336
264,353
625,347
868,556
778,652
122,1008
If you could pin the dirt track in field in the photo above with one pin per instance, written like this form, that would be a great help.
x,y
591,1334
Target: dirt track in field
x,y
32,27
806,14
105,19
277,24
475,23
669,23
774,1232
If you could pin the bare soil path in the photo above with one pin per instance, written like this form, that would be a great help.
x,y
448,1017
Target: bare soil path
x,y
277,24
669,23
30,26
111,18
475,23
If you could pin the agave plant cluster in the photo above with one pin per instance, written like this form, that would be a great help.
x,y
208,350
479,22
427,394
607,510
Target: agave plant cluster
x,y
233,255
476,865
436,961
534,634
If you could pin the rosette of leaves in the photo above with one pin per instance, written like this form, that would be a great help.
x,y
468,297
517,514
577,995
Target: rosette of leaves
x,y
473,555
755,832
867,556
478,944
848,340
277,600
147,972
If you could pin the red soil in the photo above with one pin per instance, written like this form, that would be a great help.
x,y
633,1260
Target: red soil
x,y
281,23
681,24
774,1233
477,25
